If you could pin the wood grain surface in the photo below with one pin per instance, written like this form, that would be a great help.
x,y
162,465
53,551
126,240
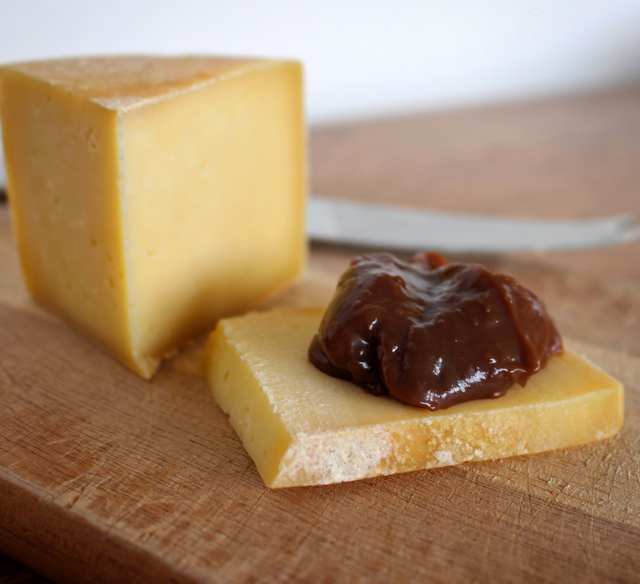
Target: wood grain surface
x,y
106,477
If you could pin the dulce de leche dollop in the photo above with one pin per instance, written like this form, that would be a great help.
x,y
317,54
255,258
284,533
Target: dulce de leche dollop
x,y
431,333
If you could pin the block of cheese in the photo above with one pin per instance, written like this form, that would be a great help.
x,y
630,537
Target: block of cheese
x,y
152,196
302,427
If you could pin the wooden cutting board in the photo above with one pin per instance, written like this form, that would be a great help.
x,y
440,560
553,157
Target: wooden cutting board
x,y
104,475
107,477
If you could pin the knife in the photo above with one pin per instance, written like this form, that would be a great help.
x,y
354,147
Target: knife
x,y
378,226
337,221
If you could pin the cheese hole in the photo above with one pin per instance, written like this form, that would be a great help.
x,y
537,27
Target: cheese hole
x,y
94,243
89,138
111,283
226,375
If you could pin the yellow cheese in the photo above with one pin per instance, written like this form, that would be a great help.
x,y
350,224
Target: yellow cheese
x,y
151,196
302,427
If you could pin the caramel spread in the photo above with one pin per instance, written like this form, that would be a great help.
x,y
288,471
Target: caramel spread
x,y
432,333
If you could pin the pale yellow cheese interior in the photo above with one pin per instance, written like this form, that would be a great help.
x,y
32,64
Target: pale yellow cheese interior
x,y
302,427
152,196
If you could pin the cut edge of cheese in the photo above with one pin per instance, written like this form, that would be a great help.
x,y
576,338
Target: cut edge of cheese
x,y
303,428
51,236
124,82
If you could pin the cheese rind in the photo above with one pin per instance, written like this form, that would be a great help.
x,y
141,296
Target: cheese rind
x,y
152,196
302,427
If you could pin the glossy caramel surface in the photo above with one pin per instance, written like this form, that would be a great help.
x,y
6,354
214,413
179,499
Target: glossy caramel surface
x,y
430,333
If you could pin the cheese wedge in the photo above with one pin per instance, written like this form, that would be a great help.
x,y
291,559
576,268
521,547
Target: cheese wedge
x,y
302,427
152,196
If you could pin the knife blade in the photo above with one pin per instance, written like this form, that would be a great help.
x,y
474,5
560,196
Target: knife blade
x,y
380,226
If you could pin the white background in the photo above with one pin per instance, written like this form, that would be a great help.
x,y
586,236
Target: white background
x,y
363,57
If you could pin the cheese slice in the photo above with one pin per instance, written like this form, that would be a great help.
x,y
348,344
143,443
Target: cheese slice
x,y
152,196
302,427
